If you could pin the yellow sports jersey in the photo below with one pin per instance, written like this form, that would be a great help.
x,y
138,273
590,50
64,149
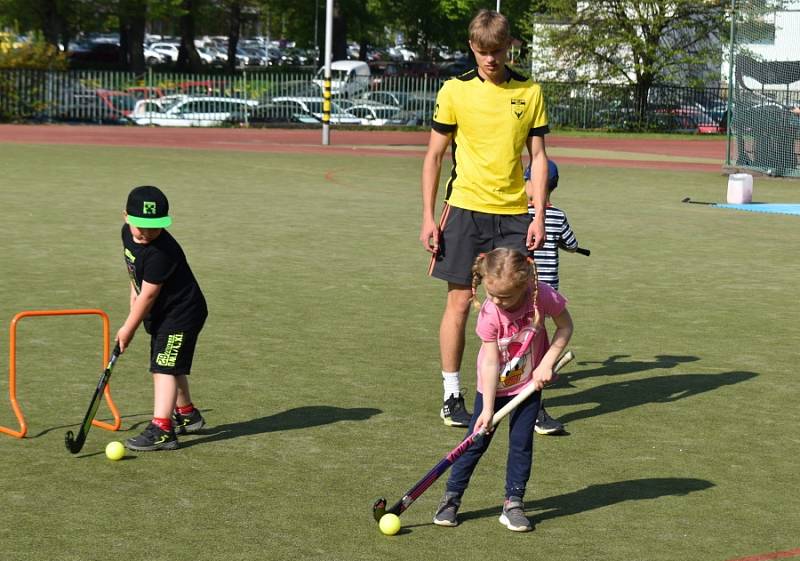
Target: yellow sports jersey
x,y
490,124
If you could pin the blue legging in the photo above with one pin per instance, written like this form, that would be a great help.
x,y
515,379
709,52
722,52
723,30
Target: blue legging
x,y
520,446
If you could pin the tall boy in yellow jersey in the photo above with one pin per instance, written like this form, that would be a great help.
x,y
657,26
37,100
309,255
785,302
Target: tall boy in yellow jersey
x,y
489,115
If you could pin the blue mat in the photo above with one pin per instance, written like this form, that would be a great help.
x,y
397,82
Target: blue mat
x,y
765,207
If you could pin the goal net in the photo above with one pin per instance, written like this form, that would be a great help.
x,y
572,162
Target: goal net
x,y
765,92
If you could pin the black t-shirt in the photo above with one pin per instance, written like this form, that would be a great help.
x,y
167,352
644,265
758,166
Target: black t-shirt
x,y
180,304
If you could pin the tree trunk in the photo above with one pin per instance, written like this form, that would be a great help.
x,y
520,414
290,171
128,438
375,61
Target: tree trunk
x,y
50,20
132,19
124,49
188,59
641,93
339,33
363,46
234,28
136,41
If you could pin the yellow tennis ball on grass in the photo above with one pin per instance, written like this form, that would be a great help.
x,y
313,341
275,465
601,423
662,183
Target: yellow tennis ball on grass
x,y
115,450
389,524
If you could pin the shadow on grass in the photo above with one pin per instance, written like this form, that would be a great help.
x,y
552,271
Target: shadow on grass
x,y
291,419
610,398
613,367
599,496
109,420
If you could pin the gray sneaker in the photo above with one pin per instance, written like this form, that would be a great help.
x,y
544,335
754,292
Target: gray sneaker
x,y
447,510
513,516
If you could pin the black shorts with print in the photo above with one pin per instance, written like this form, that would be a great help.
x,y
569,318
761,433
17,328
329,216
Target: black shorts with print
x,y
464,234
172,352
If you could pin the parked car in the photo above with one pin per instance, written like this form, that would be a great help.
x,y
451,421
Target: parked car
x,y
296,57
105,53
400,52
255,56
220,54
121,102
417,106
402,99
348,77
205,56
168,50
145,92
309,110
262,114
203,87
246,58
691,119
456,67
98,106
191,111
153,57
392,68
154,105
381,115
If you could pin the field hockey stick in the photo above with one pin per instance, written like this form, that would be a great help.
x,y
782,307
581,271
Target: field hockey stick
x,y
583,251
690,201
75,444
379,508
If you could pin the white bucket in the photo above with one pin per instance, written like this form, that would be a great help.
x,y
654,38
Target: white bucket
x,y
740,188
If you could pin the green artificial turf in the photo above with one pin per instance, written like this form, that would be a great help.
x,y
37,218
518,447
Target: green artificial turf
x,y
318,368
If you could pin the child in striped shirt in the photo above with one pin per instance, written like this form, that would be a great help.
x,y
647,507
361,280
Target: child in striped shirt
x,y
558,235
558,232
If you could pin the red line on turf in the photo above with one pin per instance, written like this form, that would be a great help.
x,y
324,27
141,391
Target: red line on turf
x,y
769,556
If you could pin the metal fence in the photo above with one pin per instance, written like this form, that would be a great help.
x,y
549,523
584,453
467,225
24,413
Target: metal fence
x,y
254,97
613,108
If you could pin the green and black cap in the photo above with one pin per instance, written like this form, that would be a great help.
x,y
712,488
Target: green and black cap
x,y
148,208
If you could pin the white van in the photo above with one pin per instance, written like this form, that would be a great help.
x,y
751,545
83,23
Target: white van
x,y
348,77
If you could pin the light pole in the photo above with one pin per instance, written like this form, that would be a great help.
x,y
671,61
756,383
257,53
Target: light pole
x,y
326,89
498,6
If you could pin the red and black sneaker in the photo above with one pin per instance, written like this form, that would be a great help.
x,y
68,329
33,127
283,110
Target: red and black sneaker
x,y
191,422
153,438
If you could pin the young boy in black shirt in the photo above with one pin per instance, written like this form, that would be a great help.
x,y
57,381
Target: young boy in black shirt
x,y
165,297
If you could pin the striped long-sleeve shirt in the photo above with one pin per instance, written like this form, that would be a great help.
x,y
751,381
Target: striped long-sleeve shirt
x,y
558,234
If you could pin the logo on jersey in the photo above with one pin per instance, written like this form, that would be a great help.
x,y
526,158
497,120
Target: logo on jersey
x,y
436,111
518,107
149,207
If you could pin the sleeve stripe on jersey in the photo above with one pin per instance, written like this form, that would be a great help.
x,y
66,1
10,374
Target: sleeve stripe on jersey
x,y
442,127
539,131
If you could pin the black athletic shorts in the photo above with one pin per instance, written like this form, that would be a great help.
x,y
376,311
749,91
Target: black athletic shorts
x,y
172,352
464,234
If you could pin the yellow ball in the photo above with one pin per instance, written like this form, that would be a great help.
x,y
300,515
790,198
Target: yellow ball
x,y
389,524
115,450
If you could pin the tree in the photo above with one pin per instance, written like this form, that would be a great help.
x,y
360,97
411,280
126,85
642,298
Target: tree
x,y
188,58
640,42
234,28
48,17
132,19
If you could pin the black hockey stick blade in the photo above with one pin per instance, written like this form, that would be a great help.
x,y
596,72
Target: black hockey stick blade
x,y
690,201
379,509
75,444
